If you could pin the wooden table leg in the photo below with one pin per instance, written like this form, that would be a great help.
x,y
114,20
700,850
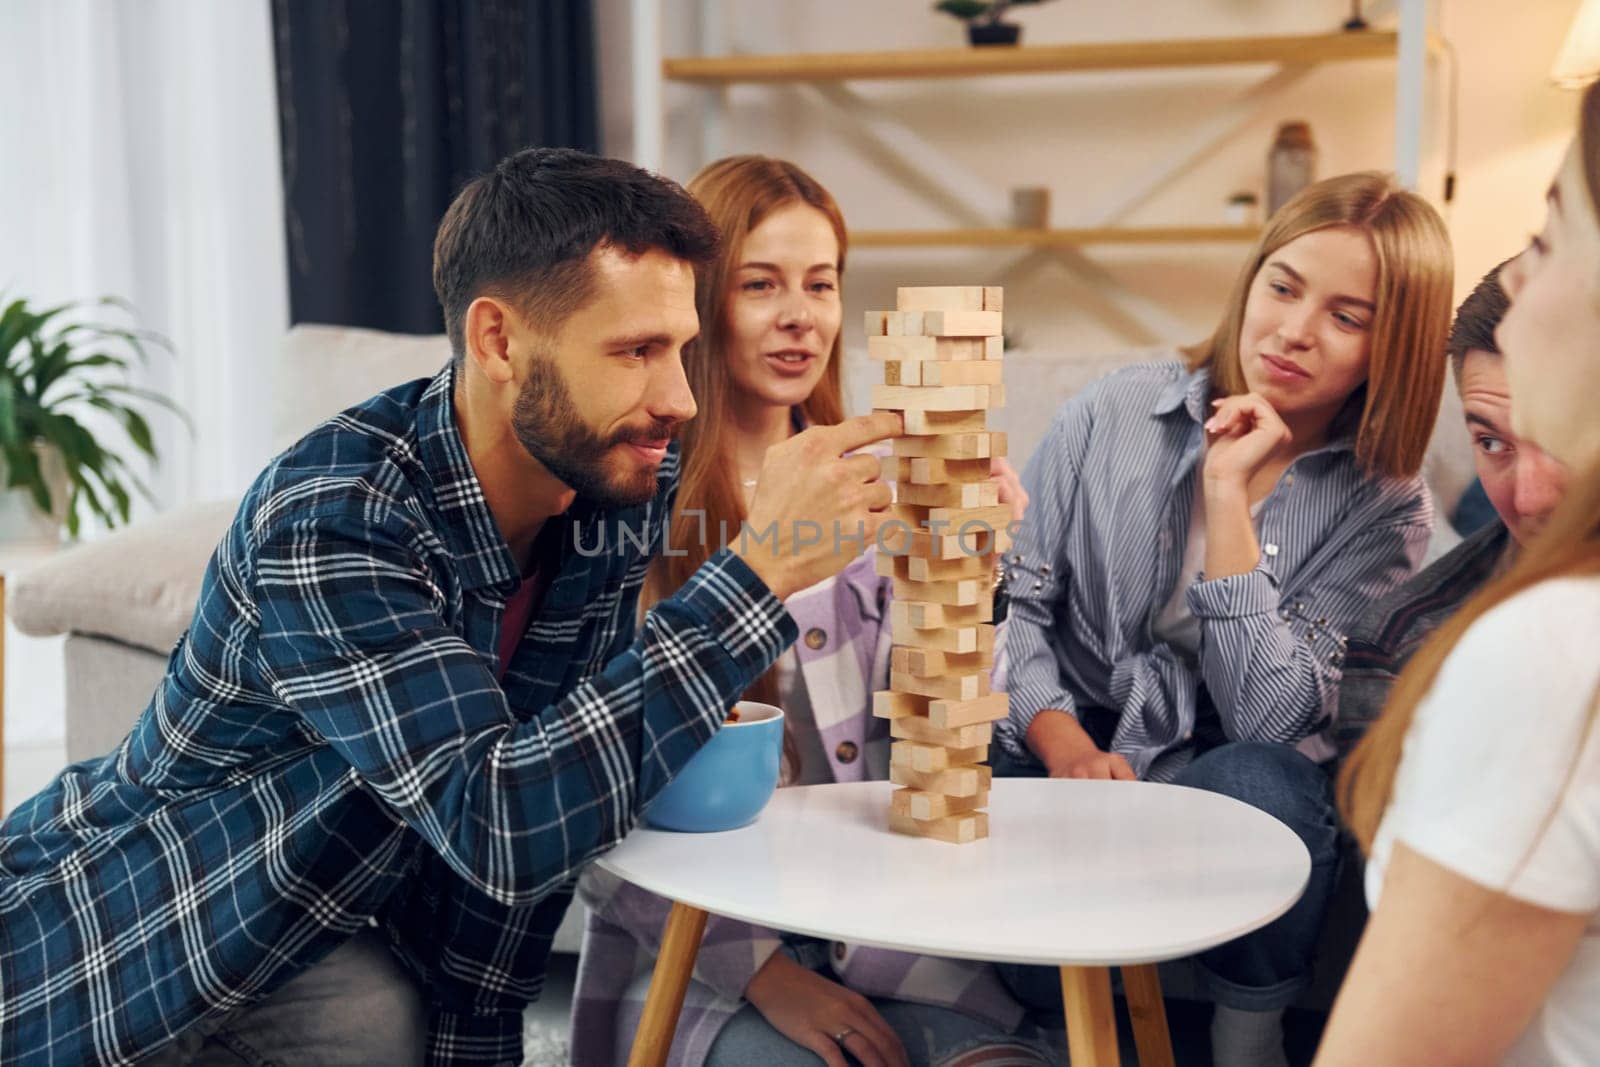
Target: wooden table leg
x,y
1142,986
670,980
1091,1021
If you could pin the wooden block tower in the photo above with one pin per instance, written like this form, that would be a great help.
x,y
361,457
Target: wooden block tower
x,y
941,352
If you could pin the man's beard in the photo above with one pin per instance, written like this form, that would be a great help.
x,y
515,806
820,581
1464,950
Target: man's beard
x,y
548,424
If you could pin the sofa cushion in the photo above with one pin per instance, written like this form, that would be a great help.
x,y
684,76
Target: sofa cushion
x,y
108,685
138,585
326,369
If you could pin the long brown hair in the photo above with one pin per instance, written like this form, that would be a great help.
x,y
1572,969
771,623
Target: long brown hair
x,y
739,193
1569,546
1405,378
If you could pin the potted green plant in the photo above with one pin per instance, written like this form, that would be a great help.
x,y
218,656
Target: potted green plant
x,y
58,371
983,19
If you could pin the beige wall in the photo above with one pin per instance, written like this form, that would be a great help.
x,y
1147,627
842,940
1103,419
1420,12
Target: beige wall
x,y
1087,135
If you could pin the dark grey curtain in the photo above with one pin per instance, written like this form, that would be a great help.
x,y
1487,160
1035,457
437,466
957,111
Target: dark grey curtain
x,y
386,108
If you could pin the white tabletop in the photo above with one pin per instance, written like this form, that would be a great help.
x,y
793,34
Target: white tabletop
x,y
1073,872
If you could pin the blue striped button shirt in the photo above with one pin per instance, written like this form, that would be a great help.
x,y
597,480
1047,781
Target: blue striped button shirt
x,y
1101,550
330,746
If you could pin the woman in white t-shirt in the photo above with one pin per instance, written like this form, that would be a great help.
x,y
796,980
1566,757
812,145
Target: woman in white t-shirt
x,y
1477,796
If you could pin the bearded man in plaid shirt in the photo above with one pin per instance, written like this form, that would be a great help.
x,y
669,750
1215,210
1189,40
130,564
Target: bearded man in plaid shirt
x,y
414,698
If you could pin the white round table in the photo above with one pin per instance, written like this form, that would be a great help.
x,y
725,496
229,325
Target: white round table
x,y
1078,874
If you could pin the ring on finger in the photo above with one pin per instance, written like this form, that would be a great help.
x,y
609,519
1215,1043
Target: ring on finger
x,y
838,1038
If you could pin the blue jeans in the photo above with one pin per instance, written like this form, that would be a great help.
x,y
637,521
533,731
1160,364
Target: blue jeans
x,y
931,1035
1271,967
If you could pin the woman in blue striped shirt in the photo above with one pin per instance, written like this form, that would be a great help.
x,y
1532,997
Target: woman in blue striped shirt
x,y
1203,530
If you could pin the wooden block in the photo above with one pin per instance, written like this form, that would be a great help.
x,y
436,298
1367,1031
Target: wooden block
x,y
901,539
919,471
965,593
994,298
927,758
927,349
955,520
916,398
951,522
958,323
918,728
960,495
887,704
955,687
949,497
909,372
955,829
894,324
940,298
975,638
920,422
945,570
955,782
994,347
905,324
912,569
925,471
924,615
924,806
977,445
944,639
981,372
951,714
934,663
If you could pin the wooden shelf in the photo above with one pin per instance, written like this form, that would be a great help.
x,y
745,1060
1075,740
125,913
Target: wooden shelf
x,y
1040,238
1298,49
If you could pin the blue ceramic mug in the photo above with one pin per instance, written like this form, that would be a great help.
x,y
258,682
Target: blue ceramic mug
x,y
726,784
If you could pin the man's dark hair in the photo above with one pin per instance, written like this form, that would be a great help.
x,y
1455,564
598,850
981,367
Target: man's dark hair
x,y
1476,320
523,233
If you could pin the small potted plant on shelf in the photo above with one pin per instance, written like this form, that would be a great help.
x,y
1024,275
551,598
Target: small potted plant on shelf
x,y
983,19
59,376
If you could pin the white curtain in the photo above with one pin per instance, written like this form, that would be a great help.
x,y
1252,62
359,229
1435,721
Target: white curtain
x,y
139,157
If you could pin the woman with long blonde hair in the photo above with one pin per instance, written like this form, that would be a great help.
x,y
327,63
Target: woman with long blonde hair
x,y
766,365
1477,794
1204,529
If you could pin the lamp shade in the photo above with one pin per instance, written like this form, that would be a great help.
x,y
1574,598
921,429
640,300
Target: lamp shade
x,y
1578,63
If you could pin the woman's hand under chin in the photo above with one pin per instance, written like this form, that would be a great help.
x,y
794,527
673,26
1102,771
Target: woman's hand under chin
x,y
1010,482
1244,432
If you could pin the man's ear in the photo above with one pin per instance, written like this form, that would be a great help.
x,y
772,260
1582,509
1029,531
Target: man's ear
x,y
487,334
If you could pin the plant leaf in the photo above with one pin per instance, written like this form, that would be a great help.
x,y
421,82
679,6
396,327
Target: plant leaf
x,y
8,411
22,472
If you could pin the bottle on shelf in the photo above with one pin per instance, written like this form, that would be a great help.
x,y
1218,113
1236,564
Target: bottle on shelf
x,y
1291,165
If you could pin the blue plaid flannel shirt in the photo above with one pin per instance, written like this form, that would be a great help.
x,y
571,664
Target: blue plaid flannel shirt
x,y
330,747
